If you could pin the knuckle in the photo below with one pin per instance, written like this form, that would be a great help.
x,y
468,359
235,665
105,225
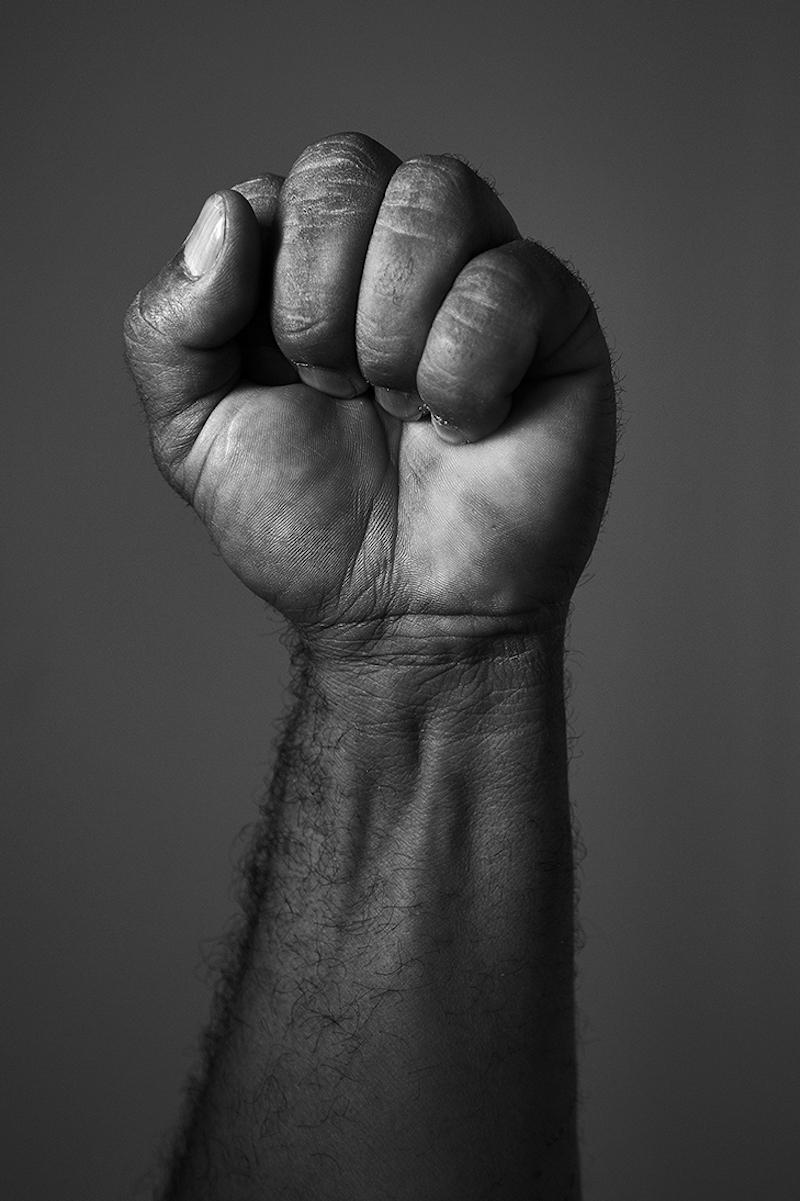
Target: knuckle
x,y
568,326
348,158
427,187
262,192
489,288
139,331
489,302
442,188
439,198
155,310
548,270
442,177
130,326
135,318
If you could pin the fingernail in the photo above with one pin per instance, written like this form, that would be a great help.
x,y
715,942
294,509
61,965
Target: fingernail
x,y
447,431
334,383
201,249
405,405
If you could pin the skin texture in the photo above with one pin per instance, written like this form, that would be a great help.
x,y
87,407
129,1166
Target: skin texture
x,y
333,512
397,1020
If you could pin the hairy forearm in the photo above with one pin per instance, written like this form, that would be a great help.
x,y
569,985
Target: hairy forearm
x,y
401,1025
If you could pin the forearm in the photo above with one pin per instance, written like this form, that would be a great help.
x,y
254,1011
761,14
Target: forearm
x,y
403,1022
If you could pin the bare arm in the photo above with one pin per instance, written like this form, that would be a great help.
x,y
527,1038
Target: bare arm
x,y
402,1020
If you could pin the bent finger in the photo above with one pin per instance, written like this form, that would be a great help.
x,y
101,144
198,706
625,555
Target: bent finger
x,y
262,360
327,210
511,310
436,214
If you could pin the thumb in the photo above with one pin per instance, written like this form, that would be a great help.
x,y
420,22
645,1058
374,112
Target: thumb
x,y
181,330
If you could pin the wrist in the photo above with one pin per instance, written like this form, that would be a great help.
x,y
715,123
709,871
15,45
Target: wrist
x,y
412,660
440,695
440,646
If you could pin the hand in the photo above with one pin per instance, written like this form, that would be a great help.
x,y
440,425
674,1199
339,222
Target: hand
x,y
289,356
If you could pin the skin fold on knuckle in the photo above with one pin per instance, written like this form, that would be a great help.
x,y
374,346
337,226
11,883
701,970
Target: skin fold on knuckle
x,y
435,216
156,313
439,197
142,340
138,327
350,157
479,344
326,213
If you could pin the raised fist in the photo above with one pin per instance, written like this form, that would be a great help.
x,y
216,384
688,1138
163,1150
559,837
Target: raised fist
x,y
381,399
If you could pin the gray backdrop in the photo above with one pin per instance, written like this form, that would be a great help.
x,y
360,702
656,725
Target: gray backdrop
x,y
654,145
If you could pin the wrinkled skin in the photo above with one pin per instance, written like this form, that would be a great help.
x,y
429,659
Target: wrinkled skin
x,y
410,287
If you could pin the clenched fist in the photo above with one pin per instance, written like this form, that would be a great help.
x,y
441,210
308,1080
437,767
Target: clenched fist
x,y
380,398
